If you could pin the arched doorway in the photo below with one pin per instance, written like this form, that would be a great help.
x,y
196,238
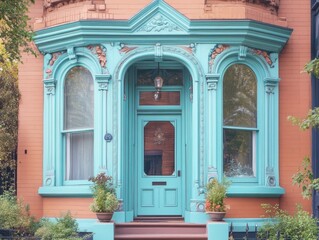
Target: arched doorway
x,y
157,125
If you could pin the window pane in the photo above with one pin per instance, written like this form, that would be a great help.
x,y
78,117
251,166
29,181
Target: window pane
x,y
166,98
240,96
159,148
171,77
239,153
79,155
78,99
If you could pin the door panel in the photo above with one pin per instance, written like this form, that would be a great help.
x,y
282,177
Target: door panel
x,y
159,153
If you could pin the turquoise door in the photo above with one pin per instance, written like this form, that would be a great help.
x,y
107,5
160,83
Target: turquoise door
x,y
159,165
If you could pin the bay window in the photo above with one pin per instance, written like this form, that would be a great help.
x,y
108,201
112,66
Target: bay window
x,y
78,124
239,121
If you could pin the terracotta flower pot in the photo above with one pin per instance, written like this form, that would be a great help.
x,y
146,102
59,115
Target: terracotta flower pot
x,y
104,217
216,216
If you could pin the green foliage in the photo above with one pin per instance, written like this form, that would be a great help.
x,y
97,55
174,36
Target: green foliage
x,y
104,196
304,179
311,120
14,214
301,225
215,195
15,34
64,228
313,67
9,104
105,202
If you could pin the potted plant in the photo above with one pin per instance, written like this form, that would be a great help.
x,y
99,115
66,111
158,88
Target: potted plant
x,y
215,196
105,201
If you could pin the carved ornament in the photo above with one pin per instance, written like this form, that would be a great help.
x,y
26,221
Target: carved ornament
x,y
159,136
272,5
100,52
51,60
159,23
218,49
265,55
125,49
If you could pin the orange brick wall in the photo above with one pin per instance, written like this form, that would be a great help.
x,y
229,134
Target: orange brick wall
x,y
30,126
294,100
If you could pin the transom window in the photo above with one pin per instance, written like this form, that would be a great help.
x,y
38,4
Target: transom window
x,y
78,124
239,121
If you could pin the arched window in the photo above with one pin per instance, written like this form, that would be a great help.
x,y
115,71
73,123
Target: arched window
x,y
78,124
239,121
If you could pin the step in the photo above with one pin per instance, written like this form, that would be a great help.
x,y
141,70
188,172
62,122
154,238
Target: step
x,y
159,219
161,237
160,230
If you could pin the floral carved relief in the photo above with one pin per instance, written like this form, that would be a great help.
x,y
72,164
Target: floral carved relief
x,y
265,55
100,52
125,49
218,49
158,24
52,58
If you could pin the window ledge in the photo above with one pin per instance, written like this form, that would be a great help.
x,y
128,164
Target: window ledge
x,y
255,191
65,191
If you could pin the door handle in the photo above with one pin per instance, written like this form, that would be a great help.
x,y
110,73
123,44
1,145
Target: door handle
x,y
179,173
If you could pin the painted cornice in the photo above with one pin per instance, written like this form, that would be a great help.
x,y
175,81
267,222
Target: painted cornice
x,y
160,23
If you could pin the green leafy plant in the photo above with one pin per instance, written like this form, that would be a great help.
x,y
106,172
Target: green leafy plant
x,y
104,198
15,215
9,104
304,179
300,225
215,195
64,228
15,32
312,67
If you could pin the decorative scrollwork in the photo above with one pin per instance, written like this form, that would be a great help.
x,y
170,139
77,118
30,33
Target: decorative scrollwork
x,y
159,23
265,55
214,52
50,59
100,52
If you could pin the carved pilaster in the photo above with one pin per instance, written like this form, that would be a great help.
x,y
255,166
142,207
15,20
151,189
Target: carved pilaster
x,y
103,81
49,129
102,127
271,133
212,83
49,85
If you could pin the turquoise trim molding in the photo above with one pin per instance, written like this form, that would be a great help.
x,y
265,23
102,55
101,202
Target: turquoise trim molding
x,y
204,49
65,191
265,66
176,29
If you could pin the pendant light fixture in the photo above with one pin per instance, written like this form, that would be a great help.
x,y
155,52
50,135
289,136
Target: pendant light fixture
x,y
158,84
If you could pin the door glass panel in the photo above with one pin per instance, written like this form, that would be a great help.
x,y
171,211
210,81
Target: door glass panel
x,y
171,77
166,98
159,148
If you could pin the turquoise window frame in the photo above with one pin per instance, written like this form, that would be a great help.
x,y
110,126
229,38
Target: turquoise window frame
x,y
54,183
256,129
266,182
